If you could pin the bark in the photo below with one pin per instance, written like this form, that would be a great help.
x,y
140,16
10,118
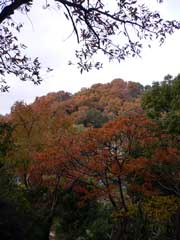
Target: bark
x,y
47,228
122,194
177,224
49,221
25,178
120,231
9,9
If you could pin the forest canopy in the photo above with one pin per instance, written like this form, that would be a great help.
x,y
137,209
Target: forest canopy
x,y
100,164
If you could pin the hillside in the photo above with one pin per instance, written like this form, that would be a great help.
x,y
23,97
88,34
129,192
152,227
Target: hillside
x,y
95,105
93,165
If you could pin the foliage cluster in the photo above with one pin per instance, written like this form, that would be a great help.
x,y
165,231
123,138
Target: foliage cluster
x,y
117,31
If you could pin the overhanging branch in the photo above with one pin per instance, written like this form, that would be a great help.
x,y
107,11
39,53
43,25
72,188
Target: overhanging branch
x,y
9,9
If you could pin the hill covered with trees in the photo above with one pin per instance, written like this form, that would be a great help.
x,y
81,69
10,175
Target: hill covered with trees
x,y
103,163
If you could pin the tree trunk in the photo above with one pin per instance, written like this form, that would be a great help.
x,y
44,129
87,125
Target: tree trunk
x,y
47,228
177,224
120,230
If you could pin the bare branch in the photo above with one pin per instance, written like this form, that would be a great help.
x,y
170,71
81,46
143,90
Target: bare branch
x,y
9,9
73,23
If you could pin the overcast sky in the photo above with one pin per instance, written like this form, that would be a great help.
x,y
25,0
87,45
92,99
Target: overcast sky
x,y
47,35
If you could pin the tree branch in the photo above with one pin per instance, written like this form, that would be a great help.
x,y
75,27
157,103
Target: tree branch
x,y
73,23
9,10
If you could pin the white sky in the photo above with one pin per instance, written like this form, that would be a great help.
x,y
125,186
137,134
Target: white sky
x,y
46,33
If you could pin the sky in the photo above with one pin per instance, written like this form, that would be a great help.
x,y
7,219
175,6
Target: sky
x,y
48,36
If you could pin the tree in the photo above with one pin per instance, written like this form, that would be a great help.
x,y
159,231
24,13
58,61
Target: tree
x,y
161,102
6,139
112,159
39,163
93,118
132,164
12,59
83,220
95,23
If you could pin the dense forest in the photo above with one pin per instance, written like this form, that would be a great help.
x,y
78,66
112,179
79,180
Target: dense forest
x,y
101,164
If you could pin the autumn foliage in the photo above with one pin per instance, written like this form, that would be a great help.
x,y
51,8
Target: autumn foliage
x,y
99,145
